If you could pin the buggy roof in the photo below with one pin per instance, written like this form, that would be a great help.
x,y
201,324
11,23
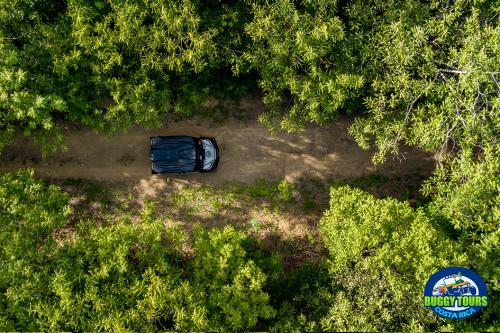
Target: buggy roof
x,y
173,154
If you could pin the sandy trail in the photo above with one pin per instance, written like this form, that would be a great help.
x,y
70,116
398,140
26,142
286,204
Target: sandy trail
x,y
248,152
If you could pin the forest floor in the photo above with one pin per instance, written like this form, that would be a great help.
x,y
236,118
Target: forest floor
x,y
109,176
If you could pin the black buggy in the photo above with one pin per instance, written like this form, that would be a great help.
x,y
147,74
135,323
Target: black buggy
x,y
180,154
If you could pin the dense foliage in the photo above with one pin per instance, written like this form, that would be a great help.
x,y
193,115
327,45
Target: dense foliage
x,y
55,275
29,213
62,273
424,73
383,251
434,70
111,64
303,57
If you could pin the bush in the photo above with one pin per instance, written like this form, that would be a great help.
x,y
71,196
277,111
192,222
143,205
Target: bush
x,y
224,291
285,191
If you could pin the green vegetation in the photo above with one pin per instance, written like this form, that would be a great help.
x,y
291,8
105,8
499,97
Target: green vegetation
x,y
111,64
134,270
379,250
303,58
420,72
119,276
414,72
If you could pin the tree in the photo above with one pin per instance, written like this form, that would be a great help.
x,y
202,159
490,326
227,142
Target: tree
x,y
116,278
465,203
434,75
224,291
29,214
122,275
434,69
28,99
113,64
381,253
151,56
303,58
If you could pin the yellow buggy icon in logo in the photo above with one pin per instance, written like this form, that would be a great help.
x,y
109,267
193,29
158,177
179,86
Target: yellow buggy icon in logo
x,y
455,285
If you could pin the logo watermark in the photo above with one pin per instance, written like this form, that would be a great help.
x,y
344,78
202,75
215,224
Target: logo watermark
x,y
455,293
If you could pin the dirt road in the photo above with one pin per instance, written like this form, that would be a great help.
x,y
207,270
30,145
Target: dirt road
x,y
247,153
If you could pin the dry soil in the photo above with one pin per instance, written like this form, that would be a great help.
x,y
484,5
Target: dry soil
x,y
248,152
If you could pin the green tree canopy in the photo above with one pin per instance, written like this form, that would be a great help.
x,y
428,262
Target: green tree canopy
x,y
224,291
302,54
29,214
113,64
121,276
381,254
434,70
29,99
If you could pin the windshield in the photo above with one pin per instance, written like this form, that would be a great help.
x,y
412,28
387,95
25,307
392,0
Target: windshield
x,y
210,154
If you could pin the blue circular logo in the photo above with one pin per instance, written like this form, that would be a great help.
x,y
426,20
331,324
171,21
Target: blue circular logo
x,y
455,293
